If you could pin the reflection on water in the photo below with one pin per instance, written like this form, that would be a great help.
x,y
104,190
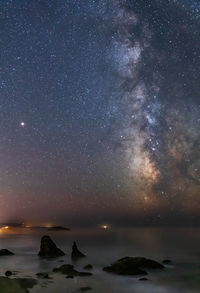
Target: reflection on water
x,y
103,246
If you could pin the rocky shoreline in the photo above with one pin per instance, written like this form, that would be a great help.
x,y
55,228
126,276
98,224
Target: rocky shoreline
x,y
127,266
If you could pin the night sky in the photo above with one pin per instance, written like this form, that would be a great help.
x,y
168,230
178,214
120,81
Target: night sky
x,y
100,112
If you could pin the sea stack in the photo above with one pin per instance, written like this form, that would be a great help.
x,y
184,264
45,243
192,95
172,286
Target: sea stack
x,y
48,248
76,253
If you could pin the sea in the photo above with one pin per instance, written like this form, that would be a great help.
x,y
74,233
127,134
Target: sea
x,y
102,247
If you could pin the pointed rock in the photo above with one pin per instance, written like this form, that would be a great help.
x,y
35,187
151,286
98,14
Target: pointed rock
x,y
76,253
48,248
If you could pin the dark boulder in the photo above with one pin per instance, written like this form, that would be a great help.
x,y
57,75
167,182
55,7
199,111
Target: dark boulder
x,y
76,253
88,267
69,270
42,275
166,261
8,273
5,252
143,279
132,266
48,248
65,269
70,277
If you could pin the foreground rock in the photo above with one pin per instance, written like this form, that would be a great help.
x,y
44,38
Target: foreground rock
x,y
76,253
132,266
5,252
48,248
69,270
8,285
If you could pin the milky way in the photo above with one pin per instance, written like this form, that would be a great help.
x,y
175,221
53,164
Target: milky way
x,y
158,58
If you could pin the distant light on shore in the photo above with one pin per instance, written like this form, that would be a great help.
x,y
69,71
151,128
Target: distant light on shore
x,y
105,227
4,228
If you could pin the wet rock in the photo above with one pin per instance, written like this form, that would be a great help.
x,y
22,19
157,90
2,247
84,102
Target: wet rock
x,y
42,275
143,279
8,273
70,277
65,269
18,285
76,253
85,289
5,252
69,270
88,267
132,266
48,248
166,261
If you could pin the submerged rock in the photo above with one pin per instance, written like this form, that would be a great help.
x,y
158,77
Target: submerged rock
x,y
166,261
132,266
48,248
143,279
18,285
85,289
42,275
88,267
69,270
65,269
5,252
70,277
76,253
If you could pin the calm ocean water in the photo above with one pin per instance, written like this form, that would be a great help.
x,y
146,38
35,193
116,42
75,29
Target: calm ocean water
x,y
181,245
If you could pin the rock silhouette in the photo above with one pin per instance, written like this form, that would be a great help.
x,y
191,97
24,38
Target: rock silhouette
x,y
8,273
132,266
68,269
88,267
43,275
166,261
48,248
5,252
76,253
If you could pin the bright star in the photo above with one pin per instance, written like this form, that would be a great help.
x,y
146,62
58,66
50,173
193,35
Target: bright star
x,y
22,124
